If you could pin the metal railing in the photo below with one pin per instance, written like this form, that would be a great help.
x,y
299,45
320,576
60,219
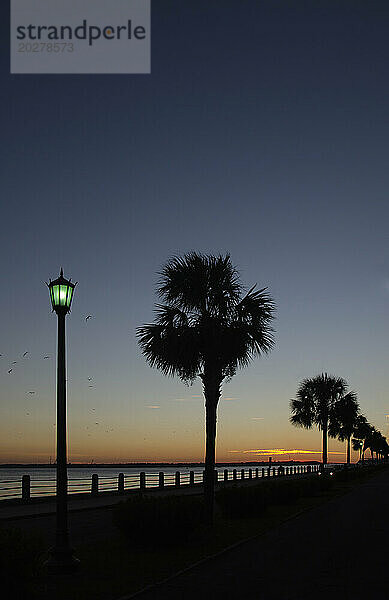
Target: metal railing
x,y
28,488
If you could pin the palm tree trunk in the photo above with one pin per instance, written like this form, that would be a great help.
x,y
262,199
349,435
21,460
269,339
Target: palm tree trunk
x,y
210,452
212,393
324,446
348,449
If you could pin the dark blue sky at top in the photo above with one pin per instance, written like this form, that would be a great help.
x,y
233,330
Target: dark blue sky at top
x,y
262,131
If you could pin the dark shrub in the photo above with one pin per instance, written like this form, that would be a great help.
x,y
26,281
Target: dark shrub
x,y
290,492
239,502
159,521
20,552
21,556
326,482
252,501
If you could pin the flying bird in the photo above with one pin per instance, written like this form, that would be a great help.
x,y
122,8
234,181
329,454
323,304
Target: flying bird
x,y
31,392
25,354
15,362
46,357
10,370
89,378
88,317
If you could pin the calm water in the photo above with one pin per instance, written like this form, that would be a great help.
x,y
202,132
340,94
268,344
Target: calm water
x,y
43,480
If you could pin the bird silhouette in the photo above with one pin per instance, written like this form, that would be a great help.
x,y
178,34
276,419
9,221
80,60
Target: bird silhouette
x,y
88,317
15,362
90,385
25,354
10,370
90,378
46,357
31,392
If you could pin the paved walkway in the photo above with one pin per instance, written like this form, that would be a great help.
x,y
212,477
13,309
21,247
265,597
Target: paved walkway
x,y
88,517
79,502
335,551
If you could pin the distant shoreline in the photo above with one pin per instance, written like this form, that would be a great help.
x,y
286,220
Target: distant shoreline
x,y
154,464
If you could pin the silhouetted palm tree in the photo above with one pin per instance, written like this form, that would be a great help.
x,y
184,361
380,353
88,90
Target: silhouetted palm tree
x,y
382,447
371,441
207,328
357,446
344,420
377,443
361,432
314,404
368,437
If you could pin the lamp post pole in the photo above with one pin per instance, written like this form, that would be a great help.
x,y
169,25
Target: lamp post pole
x,y
61,555
62,534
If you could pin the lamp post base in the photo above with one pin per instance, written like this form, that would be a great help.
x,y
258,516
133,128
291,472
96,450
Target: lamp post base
x,y
61,561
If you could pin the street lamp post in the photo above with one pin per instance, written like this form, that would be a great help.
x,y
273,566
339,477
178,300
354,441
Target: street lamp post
x,y
61,555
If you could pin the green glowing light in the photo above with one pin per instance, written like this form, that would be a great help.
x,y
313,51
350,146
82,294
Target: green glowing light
x,y
61,293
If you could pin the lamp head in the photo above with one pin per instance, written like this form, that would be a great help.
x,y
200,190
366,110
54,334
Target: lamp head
x,y
61,294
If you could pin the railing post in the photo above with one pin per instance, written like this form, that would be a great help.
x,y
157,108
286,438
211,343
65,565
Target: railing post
x,y
256,473
216,476
234,476
242,474
274,471
225,475
142,481
263,472
95,484
250,473
191,477
161,480
268,471
177,479
121,482
203,476
26,487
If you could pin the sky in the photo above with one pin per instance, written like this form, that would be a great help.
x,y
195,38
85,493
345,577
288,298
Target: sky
x,y
261,131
